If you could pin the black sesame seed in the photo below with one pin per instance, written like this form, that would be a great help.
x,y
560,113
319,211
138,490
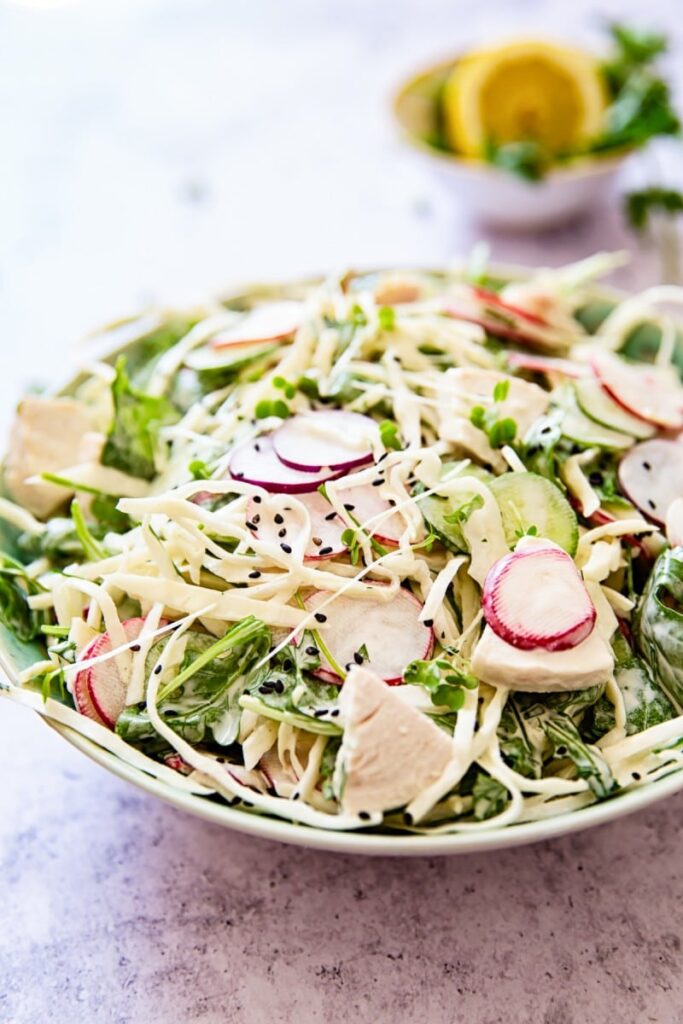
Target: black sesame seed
x,y
238,476
221,760
254,575
358,658
378,482
288,508
256,518
320,617
330,516
279,519
257,446
348,666
348,507
135,647
561,751
646,465
651,503
408,818
312,651
251,526
282,532
279,686
364,816
636,776
295,796
286,548
157,670
246,803
326,551
546,430
382,457
335,713
258,499
428,623
288,665
320,713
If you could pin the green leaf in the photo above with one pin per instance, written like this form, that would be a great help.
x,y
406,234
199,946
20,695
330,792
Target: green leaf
x,y
15,613
445,678
132,440
658,623
489,795
201,703
588,761
641,204
525,158
388,432
515,745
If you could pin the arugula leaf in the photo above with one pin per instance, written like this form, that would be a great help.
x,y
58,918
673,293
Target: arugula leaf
x,y
658,623
588,761
489,796
15,588
543,448
131,444
515,746
144,354
286,690
645,702
202,703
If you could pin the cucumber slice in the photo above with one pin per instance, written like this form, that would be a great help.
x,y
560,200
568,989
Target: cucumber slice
x,y
232,357
597,404
435,509
527,500
578,427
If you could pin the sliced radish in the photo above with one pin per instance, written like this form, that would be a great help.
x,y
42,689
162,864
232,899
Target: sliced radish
x,y
494,299
546,364
326,526
536,598
364,504
231,357
81,693
273,322
391,632
176,762
255,462
651,476
651,393
100,688
335,438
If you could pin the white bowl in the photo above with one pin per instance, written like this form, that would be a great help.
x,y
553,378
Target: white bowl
x,y
15,656
490,194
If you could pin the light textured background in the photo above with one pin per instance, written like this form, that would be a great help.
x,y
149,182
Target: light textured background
x,y
157,148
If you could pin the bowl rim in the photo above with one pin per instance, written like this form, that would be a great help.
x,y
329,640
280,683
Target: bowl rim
x,y
579,166
367,842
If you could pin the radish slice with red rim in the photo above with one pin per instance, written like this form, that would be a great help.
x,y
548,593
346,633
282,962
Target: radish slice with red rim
x,y
652,393
651,476
81,693
327,527
256,462
490,298
546,364
536,598
391,632
272,322
106,690
366,505
335,438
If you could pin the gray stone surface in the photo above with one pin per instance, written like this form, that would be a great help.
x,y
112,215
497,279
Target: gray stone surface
x,y
154,148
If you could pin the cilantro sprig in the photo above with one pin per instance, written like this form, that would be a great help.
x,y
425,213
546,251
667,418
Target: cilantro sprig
x,y
500,430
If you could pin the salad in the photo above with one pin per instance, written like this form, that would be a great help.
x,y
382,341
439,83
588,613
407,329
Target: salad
x,y
399,550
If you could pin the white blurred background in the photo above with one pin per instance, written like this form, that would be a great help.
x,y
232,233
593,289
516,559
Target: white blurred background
x,y
157,149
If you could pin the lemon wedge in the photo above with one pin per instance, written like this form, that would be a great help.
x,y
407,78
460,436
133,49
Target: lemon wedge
x,y
524,90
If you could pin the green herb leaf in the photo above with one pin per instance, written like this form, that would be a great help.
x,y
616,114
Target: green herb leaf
x,y
132,440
